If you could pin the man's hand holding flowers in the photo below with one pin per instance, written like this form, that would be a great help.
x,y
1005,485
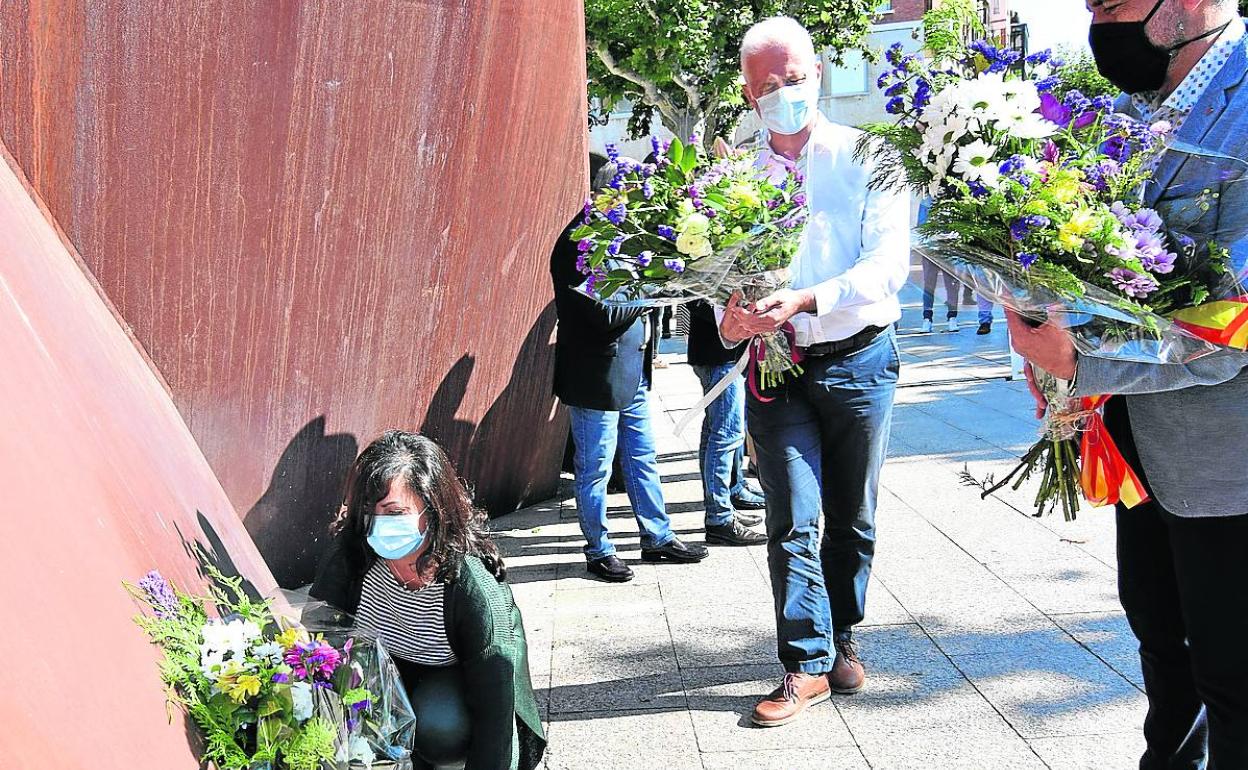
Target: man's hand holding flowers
x,y
743,320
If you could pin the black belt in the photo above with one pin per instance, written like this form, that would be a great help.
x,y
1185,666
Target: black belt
x,y
846,346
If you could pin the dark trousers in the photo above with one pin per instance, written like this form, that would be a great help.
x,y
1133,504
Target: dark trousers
x,y
1183,583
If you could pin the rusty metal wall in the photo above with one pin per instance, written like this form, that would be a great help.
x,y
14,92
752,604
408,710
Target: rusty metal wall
x,y
102,482
321,219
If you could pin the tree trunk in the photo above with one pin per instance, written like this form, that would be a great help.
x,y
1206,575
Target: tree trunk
x,y
686,124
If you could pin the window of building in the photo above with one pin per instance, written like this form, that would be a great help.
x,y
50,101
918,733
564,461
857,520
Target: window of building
x,y
849,79
885,6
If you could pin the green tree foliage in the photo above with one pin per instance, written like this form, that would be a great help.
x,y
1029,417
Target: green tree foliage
x,y
1079,73
678,59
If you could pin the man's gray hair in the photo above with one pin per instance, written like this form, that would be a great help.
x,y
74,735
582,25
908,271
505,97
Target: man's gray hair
x,y
778,31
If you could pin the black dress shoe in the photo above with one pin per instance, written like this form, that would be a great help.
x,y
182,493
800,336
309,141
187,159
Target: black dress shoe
x,y
610,569
676,551
984,328
733,533
749,518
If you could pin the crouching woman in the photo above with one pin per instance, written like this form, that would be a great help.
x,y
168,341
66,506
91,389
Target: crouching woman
x,y
413,563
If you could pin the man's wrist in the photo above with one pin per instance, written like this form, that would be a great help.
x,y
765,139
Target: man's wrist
x,y
810,304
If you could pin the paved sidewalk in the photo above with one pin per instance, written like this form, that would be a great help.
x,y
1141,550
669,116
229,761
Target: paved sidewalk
x,y
992,639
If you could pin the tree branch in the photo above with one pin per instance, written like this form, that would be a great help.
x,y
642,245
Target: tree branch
x,y
649,88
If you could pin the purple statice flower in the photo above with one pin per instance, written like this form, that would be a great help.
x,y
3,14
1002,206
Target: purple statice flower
x,y
895,89
922,95
675,265
1116,148
1013,164
977,188
585,244
647,190
1131,283
1023,226
773,203
645,258
1040,57
894,54
613,152
1027,259
281,677
591,282
582,264
587,211
1103,103
647,170
799,199
1045,85
883,80
613,248
1076,101
616,214
666,232
895,106
656,146
160,595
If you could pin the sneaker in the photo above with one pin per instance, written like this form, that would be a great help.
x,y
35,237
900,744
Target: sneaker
x,y
926,326
733,533
848,674
787,702
952,326
984,328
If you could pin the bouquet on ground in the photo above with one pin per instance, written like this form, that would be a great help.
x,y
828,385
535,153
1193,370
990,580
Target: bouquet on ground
x,y
690,226
268,694
1035,203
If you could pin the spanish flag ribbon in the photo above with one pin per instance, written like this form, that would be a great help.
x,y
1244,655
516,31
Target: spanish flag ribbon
x,y
1222,322
1105,476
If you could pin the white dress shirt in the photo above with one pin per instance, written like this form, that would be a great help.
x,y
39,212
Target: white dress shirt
x,y
855,251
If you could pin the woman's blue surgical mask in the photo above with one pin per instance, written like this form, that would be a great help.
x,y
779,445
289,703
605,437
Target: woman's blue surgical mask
x,y
789,109
393,537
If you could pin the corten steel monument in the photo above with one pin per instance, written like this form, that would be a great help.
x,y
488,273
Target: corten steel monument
x,y
321,220
102,482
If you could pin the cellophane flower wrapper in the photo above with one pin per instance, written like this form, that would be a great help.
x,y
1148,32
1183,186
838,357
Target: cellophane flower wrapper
x,y
380,735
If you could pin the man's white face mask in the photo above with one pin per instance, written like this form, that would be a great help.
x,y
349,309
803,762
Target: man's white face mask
x,y
789,109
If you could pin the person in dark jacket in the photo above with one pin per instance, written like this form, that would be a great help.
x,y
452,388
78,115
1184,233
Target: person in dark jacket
x,y
413,563
727,496
602,374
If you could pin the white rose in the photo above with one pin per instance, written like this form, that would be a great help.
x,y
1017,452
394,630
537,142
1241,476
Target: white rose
x,y
695,245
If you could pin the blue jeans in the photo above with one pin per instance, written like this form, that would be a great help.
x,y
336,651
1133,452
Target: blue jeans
x,y
595,434
721,451
984,306
820,446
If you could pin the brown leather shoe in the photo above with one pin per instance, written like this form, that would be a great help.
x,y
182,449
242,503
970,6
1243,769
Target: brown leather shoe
x,y
787,702
847,675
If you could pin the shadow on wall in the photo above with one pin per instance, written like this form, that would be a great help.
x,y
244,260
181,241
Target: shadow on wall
x,y
290,522
502,479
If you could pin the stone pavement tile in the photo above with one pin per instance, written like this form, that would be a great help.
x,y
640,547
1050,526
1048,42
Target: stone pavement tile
x,y
836,758
883,609
1077,583
962,746
902,650
721,699
1066,692
1109,636
539,631
727,576
731,634
572,693
1023,636
1091,752
611,601
572,576
893,704
623,741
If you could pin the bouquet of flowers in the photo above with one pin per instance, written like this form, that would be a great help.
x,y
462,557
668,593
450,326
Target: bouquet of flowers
x,y
1035,203
689,226
268,694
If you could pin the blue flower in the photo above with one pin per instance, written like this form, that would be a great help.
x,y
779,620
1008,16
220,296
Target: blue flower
x,y
656,146
893,55
922,95
894,89
613,248
1103,103
666,232
1012,164
977,189
1027,259
895,106
585,244
645,258
613,152
1040,57
647,190
882,81
675,265
616,214
1022,227
1044,85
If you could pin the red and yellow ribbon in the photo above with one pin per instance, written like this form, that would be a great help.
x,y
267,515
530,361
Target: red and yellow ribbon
x,y
1104,475
1222,322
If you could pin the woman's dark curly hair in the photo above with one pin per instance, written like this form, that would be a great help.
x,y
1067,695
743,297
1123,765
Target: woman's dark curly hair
x,y
456,528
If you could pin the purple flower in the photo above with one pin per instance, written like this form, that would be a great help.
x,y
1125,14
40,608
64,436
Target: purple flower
x,y
1103,103
666,232
281,677
160,595
922,95
616,214
799,199
1023,226
893,55
648,169
895,106
582,264
1027,259
585,244
894,89
882,81
675,265
613,152
656,146
613,248
1045,85
1054,111
1040,57
1116,148
773,203
1012,164
588,211
647,190
591,282
361,705
1131,283
645,258
313,660
1051,152
977,188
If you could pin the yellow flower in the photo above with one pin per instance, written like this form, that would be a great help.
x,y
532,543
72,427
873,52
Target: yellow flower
x,y
1065,186
288,637
1070,234
239,689
693,224
695,244
743,196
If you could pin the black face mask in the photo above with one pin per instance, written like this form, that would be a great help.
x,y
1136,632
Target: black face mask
x,y
1128,59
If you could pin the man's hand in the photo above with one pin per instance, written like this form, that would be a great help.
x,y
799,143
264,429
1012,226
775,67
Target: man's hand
x,y
742,321
1048,346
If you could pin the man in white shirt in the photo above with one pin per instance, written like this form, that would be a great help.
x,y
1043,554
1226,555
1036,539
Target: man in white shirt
x,y
821,437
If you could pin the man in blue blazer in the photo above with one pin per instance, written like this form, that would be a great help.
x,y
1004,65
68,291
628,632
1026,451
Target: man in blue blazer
x,y
602,374
1183,555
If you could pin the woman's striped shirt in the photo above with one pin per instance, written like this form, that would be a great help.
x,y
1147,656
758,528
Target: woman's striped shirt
x,y
411,624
